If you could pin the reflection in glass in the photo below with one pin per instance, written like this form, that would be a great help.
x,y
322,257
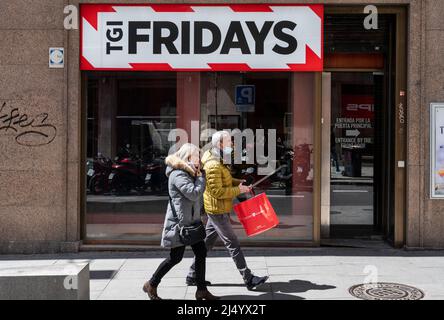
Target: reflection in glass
x,y
130,118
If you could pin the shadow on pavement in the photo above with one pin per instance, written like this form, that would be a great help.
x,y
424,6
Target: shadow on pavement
x,y
265,296
102,274
277,290
296,286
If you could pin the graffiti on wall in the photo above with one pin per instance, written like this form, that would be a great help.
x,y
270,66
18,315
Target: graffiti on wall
x,y
29,130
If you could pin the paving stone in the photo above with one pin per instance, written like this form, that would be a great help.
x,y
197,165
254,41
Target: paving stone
x,y
295,274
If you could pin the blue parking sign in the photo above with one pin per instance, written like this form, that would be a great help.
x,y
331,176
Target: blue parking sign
x,y
245,98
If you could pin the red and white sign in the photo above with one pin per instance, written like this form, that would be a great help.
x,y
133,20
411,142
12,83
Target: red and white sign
x,y
358,106
189,37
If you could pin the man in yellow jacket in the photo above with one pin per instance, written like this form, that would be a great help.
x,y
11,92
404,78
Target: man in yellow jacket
x,y
221,189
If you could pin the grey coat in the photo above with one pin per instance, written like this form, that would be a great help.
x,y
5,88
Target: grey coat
x,y
186,192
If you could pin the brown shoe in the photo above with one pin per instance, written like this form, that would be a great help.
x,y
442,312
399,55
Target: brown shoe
x,y
151,291
205,295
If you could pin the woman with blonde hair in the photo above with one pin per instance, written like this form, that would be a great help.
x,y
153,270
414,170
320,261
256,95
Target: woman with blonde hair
x,y
183,225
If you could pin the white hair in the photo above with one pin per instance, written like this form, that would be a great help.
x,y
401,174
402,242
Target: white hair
x,y
218,137
186,151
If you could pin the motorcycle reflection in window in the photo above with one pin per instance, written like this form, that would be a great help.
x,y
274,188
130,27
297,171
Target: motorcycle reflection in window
x,y
98,171
284,175
131,173
293,167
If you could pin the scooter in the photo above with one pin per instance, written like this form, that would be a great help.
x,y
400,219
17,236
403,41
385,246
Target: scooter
x,y
284,176
98,174
89,171
156,178
128,174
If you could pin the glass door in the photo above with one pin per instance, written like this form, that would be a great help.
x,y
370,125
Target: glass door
x,y
354,151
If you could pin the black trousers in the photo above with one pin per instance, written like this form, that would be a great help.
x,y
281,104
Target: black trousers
x,y
176,255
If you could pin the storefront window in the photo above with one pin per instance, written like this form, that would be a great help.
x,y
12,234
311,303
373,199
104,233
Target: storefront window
x,y
131,122
128,134
283,111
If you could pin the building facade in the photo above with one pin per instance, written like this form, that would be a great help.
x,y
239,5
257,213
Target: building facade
x,y
83,137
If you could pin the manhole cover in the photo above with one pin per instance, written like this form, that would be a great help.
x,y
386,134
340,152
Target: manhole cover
x,y
386,291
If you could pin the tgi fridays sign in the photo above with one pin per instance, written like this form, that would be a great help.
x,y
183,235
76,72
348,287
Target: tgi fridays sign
x,y
239,37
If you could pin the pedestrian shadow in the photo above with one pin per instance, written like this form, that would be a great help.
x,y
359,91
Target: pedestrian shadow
x,y
277,290
264,296
295,286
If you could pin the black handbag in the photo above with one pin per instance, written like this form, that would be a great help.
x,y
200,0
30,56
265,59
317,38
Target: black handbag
x,y
192,234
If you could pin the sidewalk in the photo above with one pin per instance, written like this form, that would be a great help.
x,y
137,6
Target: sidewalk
x,y
302,273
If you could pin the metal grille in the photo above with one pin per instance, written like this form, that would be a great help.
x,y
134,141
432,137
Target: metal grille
x,y
386,291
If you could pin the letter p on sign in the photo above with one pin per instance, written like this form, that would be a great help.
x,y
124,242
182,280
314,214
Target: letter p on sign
x,y
245,95
245,98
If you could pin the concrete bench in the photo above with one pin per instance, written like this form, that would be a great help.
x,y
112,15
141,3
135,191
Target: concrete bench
x,y
53,282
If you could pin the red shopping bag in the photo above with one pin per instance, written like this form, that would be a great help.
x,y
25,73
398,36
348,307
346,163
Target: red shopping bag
x,y
256,215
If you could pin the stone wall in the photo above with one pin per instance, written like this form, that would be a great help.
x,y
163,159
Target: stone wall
x,y
425,225
34,154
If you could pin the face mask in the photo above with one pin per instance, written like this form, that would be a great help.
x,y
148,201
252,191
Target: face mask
x,y
228,150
